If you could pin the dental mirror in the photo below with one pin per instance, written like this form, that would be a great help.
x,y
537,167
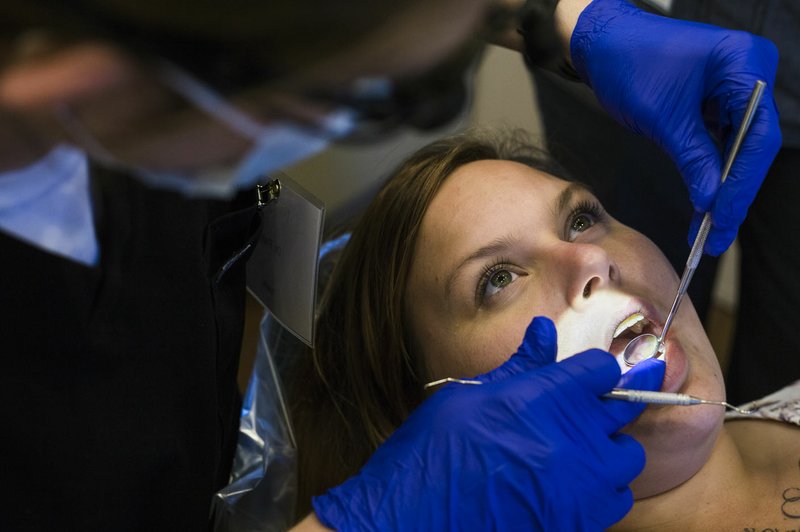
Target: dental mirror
x,y
641,348
647,345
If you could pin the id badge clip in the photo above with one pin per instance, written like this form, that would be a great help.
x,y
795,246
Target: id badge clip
x,y
283,269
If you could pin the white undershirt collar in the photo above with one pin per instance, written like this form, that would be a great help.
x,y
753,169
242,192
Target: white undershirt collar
x,y
48,204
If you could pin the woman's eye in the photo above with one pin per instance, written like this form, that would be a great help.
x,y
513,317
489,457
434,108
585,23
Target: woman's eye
x,y
584,216
497,281
581,223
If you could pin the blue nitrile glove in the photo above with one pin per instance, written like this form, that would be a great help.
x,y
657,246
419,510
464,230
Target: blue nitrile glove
x,y
648,373
533,448
673,82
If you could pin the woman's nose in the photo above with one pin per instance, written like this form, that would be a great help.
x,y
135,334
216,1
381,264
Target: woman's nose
x,y
588,269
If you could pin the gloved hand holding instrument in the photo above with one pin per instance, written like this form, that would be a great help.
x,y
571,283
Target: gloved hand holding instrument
x,y
536,443
685,86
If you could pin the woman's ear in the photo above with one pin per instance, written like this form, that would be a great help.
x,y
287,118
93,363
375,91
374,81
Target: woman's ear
x,y
40,74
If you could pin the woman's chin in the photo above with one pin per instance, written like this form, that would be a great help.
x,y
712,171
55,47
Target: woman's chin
x,y
678,442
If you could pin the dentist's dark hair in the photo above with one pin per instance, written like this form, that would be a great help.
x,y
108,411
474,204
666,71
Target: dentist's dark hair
x,y
365,376
238,44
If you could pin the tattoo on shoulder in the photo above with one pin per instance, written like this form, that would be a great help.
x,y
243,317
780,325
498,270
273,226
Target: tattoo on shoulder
x,y
770,529
791,501
790,508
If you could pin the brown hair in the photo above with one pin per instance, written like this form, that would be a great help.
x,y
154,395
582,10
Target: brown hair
x,y
270,45
257,27
231,45
364,378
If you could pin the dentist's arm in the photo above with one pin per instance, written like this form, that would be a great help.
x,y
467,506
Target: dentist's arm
x,y
566,16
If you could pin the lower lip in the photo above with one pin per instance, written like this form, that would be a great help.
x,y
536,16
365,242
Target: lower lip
x,y
677,367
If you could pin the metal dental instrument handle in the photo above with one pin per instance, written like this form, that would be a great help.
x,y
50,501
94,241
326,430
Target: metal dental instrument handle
x,y
705,227
643,346
450,379
666,398
635,396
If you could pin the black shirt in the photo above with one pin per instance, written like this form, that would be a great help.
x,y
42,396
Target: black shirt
x,y
118,389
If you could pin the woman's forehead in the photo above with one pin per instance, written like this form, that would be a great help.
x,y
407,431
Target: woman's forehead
x,y
492,184
493,169
483,202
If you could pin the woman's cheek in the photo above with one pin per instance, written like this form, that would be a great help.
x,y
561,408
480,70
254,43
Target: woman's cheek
x,y
642,261
475,350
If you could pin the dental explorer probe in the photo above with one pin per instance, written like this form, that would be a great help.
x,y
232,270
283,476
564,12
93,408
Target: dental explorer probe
x,y
666,398
647,345
636,396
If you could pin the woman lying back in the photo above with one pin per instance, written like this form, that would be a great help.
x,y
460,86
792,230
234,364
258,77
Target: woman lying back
x,y
466,243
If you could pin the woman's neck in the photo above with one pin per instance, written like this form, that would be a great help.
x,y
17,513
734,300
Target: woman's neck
x,y
739,487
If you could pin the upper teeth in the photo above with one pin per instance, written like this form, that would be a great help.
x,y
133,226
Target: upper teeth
x,y
635,322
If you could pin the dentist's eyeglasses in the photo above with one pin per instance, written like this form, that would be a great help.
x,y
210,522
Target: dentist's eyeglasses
x,y
374,106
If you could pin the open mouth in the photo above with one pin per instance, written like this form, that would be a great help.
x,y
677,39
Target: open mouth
x,y
640,317
629,328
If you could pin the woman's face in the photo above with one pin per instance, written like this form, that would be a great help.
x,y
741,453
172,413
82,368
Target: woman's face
x,y
502,243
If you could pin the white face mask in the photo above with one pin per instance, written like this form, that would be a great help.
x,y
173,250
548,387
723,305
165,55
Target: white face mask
x,y
275,146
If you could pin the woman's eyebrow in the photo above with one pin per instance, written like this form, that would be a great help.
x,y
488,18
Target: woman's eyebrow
x,y
565,197
495,247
